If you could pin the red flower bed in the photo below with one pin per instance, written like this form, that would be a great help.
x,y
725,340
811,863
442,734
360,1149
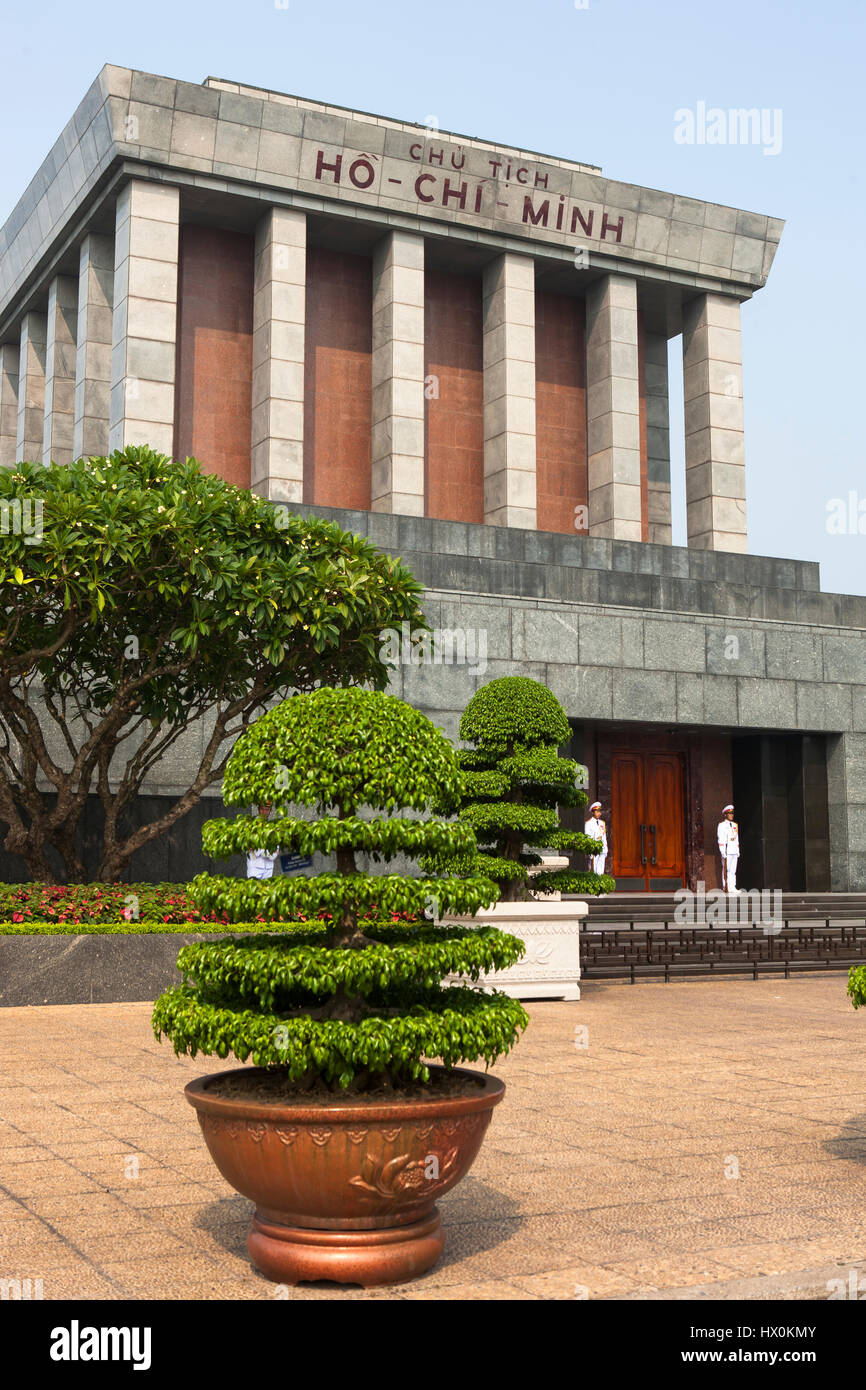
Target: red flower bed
x,y
109,902
99,902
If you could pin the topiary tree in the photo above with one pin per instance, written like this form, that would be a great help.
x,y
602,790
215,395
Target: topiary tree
x,y
515,779
354,1002
139,596
857,986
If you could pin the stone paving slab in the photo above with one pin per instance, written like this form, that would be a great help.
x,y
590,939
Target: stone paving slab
x,y
709,1142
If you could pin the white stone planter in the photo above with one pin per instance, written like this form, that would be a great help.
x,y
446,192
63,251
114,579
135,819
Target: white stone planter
x,y
550,968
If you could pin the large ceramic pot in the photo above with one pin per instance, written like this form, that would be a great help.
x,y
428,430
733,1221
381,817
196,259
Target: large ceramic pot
x,y
344,1191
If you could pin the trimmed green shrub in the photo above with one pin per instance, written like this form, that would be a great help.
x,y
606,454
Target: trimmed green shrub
x,y
515,781
857,986
356,1001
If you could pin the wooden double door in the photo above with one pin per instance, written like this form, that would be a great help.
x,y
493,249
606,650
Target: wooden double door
x,y
647,820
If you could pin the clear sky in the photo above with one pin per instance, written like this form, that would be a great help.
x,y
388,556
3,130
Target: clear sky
x,y
601,81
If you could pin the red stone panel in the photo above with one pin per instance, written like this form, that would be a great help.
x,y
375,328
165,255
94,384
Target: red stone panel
x,y
338,379
214,362
560,410
454,417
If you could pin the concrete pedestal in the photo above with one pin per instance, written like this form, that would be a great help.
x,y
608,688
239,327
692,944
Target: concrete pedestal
x,y
550,969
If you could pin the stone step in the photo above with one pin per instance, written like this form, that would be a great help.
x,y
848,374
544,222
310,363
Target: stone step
x,y
646,908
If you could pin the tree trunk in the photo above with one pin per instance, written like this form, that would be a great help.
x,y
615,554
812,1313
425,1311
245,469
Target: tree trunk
x,y
31,846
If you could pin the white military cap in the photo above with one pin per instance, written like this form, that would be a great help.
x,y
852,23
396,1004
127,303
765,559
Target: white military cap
x,y
726,808
594,804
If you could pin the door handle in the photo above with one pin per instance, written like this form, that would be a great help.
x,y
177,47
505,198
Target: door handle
x,y
642,845
654,860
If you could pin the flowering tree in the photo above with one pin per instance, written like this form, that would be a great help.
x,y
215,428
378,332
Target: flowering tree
x,y
141,597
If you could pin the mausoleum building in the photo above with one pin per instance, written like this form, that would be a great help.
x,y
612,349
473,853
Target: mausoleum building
x,y
461,349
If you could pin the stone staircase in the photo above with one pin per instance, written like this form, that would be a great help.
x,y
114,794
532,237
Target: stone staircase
x,y
648,908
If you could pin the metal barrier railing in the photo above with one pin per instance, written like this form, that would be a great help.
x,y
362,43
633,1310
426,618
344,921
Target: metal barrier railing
x,y
632,950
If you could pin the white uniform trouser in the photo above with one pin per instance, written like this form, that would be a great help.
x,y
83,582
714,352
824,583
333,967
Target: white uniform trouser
x,y
730,861
597,862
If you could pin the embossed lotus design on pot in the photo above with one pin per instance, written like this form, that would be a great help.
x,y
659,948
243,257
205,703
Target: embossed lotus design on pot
x,y
347,1190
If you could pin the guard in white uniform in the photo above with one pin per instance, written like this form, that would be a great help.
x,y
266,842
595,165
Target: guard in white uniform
x,y
728,833
596,827
261,862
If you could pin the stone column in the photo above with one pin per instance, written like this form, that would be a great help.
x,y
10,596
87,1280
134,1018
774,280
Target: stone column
x,y
31,388
713,395
509,391
846,792
397,482
658,439
8,404
93,354
279,301
144,321
62,325
613,408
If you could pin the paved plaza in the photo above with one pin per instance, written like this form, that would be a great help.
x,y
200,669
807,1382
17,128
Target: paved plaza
x,y
703,1133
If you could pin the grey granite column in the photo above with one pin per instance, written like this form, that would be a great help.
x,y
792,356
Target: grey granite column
x,y
144,320
509,391
397,482
93,353
713,396
8,403
658,439
31,388
846,794
62,326
613,408
279,303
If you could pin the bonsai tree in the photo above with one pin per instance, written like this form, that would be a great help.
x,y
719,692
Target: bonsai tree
x,y
515,780
139,597
353,1002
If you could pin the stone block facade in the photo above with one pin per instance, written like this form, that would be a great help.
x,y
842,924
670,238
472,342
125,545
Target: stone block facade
x,y
629,634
